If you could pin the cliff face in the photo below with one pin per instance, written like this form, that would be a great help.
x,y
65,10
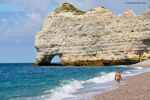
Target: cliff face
x,y
95,37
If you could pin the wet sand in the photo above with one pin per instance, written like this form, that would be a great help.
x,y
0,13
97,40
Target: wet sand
x,y
135,88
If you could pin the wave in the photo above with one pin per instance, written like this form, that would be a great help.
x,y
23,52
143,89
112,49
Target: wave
x,y
70,89
65,90
139,67
101,79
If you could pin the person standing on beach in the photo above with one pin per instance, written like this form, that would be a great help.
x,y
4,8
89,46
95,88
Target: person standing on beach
x,y
118,77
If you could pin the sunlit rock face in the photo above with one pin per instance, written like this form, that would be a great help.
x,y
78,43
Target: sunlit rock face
x,y
96,37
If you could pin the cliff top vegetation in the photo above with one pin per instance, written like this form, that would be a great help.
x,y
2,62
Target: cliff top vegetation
x,y
66,7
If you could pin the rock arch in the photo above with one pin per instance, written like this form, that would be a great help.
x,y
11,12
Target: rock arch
x,y
96,37
46,60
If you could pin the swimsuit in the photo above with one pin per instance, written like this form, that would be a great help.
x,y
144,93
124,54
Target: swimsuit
x,y
118,79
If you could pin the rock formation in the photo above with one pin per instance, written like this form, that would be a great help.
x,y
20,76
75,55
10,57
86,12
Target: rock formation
x,y
95,37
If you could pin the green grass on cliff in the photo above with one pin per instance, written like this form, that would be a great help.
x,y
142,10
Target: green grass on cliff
x,y
66,7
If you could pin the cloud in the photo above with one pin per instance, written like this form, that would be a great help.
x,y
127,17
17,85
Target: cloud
x,y
31,5
20,27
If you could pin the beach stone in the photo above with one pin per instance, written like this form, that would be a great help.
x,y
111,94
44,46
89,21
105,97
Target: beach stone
x,y
96,37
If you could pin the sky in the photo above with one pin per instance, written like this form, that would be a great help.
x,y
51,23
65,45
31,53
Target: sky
x,y
20,20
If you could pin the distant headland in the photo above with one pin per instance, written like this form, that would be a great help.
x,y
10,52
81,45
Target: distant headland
x,y
96,37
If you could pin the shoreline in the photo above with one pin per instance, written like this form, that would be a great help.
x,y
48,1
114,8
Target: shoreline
x,y
144,64
136,87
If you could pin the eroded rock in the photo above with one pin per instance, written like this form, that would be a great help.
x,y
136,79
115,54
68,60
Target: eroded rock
x,y
95,37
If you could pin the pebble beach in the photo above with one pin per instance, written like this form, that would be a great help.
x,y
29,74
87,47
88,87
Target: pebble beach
x,y
135,88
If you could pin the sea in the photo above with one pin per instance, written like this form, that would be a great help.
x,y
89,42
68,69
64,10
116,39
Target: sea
x,y
23,81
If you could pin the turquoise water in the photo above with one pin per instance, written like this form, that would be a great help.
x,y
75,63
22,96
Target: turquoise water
x,y
24,81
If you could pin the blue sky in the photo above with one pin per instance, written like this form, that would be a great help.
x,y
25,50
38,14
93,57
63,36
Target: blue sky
x,y
21,19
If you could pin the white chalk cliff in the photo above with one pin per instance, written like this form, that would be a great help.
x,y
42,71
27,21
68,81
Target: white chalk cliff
x,y
95,37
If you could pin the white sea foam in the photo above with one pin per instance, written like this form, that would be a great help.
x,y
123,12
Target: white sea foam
x,y
102,73
68,90
127,72
62,92
139,67
101,79
124,66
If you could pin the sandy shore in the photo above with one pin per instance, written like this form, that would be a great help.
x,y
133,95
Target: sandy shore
x,y
136,87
